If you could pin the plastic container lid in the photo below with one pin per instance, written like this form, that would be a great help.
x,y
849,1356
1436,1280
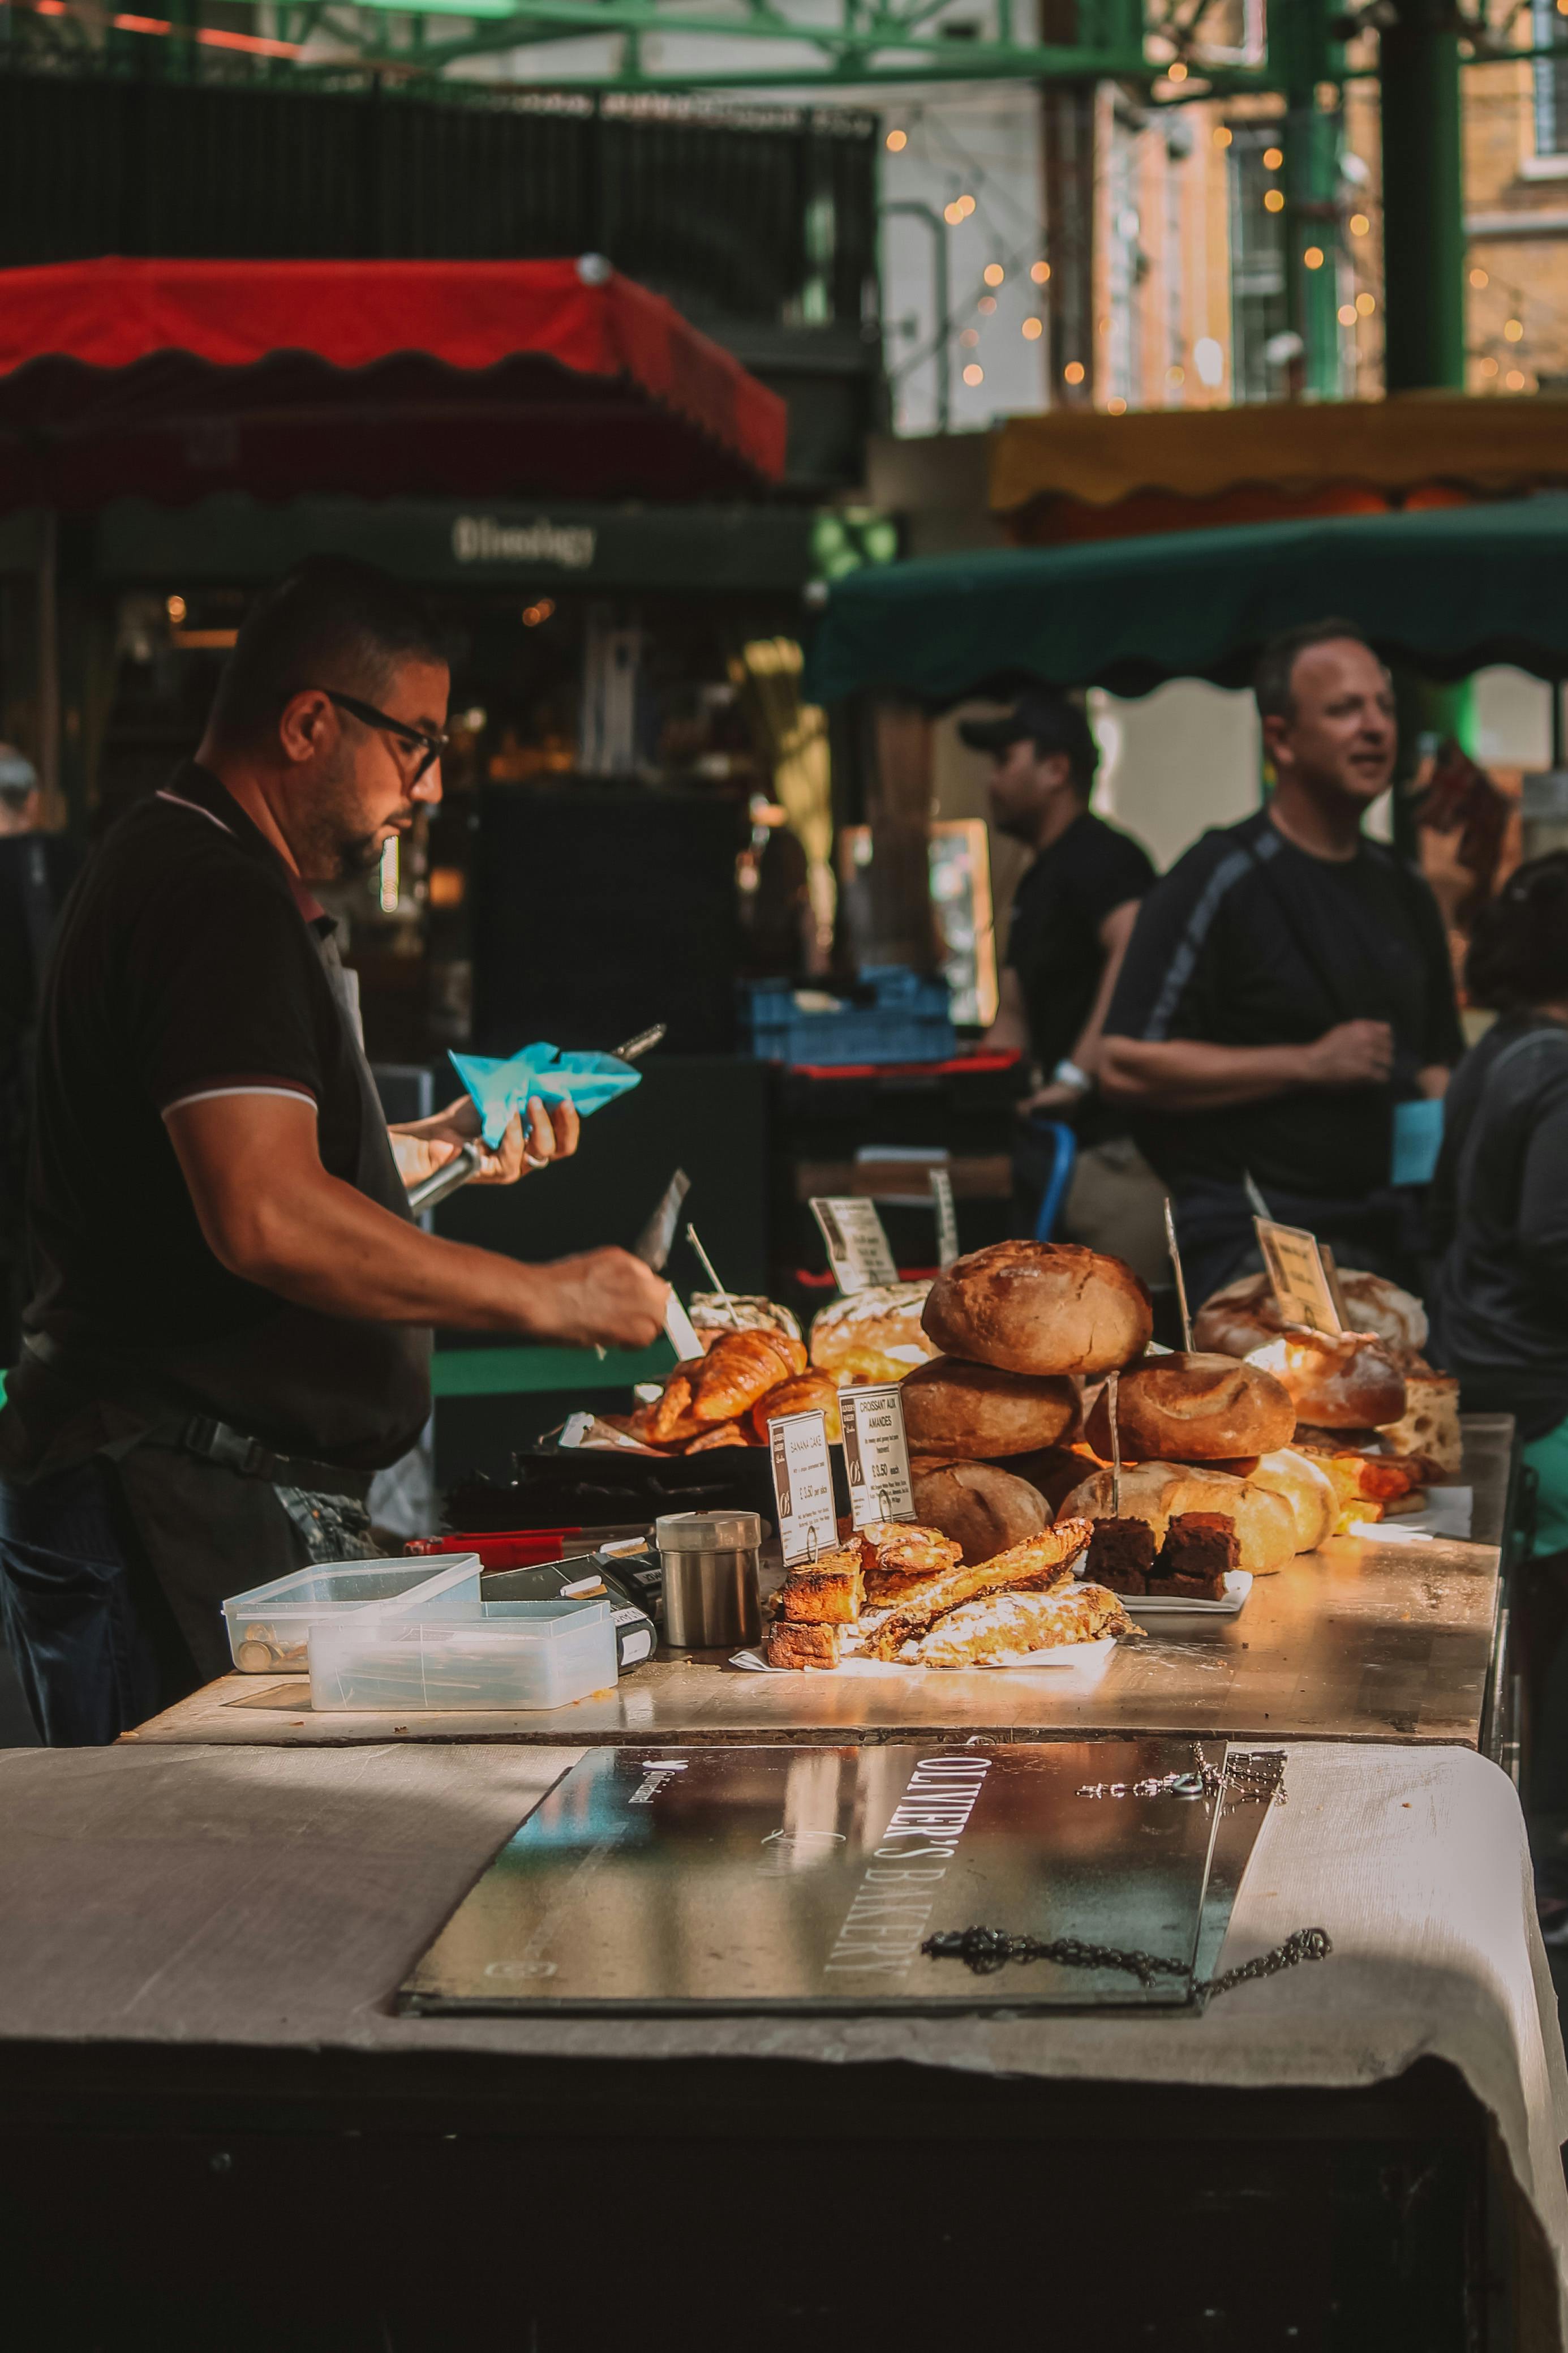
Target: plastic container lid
x,y
708,1530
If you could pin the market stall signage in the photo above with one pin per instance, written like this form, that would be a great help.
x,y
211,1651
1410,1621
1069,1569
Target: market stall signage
x,y
857,1247
877,1454
803,1485
1301,1272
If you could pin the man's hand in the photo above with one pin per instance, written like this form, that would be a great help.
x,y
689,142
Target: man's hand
x,y
1052,1098
606,1297
423,1145
1354,1054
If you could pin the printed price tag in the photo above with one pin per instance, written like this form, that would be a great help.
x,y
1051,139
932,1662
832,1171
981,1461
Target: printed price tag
x,y
877,1454
946,1216
803,1485
681,1331
857,1248
1302,1284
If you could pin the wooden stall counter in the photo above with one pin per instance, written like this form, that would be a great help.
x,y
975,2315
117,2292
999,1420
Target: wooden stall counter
x,y
1394,1638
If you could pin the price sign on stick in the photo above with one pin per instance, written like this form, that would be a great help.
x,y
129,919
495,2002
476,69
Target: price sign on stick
x,y
1303,1290
877,1454
857,1248
946,1217
803,1485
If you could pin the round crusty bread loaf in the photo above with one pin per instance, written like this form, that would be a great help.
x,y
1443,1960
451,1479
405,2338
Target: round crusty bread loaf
x,y
1243,1316
1157,1492
1307,1487
1174,1408
872,1335
982,1509
1042,1308
714,1313
973,1412
1340,1380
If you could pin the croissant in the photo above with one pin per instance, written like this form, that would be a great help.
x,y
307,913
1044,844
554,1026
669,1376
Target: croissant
x,y
674,1407
739,1369
802,1393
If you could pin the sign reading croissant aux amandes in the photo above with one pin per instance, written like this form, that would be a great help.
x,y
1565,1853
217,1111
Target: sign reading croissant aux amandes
x,y
876,1454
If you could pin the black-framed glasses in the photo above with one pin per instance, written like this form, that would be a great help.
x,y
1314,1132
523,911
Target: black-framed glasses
x,y
430,747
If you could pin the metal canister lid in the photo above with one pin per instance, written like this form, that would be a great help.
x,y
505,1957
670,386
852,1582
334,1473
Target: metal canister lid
x,y
708,1532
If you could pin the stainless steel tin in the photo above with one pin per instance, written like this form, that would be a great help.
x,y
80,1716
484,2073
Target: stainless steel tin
x,y
711,1561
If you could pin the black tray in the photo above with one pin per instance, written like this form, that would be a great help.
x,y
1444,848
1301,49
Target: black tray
x,y
568,1487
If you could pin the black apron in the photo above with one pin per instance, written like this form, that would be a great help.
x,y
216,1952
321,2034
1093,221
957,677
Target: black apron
x,y
218,1509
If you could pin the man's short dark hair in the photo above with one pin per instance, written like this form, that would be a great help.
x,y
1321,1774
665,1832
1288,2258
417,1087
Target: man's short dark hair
x,y
332,621
1518,950
1052,721
1276,662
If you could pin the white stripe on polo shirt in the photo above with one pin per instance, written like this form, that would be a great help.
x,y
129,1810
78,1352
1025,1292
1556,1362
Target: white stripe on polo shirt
x,y
214,1095
177,800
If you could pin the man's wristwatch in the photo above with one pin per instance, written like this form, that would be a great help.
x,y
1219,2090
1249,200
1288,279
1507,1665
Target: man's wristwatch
x,y
1068,1074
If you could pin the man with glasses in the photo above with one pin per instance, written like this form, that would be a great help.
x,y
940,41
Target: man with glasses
x,y
230,1328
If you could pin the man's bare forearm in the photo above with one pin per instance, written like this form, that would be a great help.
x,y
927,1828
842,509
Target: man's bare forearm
x,y
271,1213
1187,1074
330,1249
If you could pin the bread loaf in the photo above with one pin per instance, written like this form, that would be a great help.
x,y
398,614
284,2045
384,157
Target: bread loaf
x,y
1340,1380
714,1313
1243,1316
968,1412
1040,1308
1178,1409
1308,1489
982,1509
872,1335
1159,1491
1429,1426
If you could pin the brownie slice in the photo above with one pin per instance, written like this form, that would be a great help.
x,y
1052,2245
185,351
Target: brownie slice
x,y
1200,1550
1121,1555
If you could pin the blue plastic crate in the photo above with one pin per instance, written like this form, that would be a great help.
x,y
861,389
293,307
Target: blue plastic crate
x,y
908,1020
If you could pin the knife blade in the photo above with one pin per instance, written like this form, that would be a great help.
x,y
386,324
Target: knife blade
x,y
654,1243
643,1043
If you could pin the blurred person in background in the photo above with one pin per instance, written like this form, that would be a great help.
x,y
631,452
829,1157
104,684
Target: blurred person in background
x,y
1499,1304
36,870
1073,914
1288,985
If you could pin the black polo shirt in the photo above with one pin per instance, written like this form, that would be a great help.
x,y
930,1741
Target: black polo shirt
x,y
190,962
1249,941
1053,943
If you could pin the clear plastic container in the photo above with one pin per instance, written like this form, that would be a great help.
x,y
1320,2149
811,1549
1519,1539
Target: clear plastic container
x,y
463,1654
269,1627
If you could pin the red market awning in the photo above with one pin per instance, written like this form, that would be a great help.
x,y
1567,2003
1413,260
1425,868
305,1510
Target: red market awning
x,y
174,379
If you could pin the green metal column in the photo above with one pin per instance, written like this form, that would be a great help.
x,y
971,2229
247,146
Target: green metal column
x,y
1423,198
1304,55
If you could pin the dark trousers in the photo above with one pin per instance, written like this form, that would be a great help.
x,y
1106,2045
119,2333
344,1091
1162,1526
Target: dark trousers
x,y
1380,1234
95,1647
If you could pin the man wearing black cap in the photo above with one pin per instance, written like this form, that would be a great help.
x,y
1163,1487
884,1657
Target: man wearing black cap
x,y
1073,912
1072,916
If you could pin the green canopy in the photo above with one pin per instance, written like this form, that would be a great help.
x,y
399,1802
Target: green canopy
x,y
1445,590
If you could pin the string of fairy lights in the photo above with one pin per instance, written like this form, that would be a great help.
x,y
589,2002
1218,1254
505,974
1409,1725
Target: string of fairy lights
x,y
1506,357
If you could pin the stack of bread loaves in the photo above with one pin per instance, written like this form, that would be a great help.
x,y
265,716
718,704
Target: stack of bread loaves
x,y
1366,1389
1019,1326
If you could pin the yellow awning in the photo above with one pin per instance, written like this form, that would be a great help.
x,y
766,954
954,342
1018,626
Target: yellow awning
x,y
1400,445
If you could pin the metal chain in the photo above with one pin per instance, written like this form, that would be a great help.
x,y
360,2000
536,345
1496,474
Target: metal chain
x,y
986,1950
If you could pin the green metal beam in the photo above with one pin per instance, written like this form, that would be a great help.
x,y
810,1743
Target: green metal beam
x,y
1423,200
